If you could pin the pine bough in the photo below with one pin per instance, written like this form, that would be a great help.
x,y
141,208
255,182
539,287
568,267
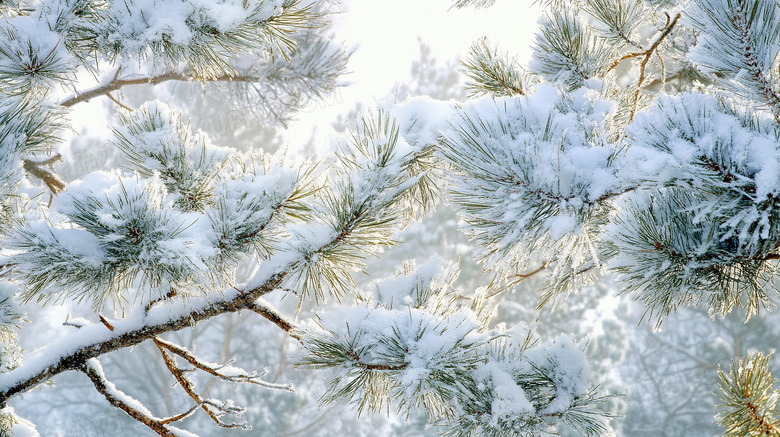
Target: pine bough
x,y
641,140
154,247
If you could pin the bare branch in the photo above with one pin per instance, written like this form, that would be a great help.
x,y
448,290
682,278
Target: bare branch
x,y
116,83
646,55
516,279
118,103
39,170
224,371
118,399
189,387
261,307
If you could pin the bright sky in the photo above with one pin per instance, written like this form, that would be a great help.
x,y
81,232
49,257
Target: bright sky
x,y
385,34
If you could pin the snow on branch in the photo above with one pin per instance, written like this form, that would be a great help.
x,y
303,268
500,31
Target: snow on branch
x,y
215,409
377,174
543,194
738,46
411,344
132,407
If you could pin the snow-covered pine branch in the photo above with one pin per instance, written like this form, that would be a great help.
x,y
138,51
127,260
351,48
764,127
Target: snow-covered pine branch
x,y
679,197
411,343
580,164
164,253
604,166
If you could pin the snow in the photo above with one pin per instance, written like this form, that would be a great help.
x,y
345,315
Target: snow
x,y
111,390
31,42
138,28
22,427
155,135
510,401
163,313
421,119
692,141
108,206
412,286
408,320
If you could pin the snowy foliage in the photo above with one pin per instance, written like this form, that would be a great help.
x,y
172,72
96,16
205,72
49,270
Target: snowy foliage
x,y
586,162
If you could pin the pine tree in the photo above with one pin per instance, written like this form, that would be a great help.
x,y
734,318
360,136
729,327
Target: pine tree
x,y
154,247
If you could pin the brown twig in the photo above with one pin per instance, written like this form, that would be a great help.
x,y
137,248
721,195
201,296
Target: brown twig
x,y
276,318
117,83
118,103
188,385
766,427
86,346
646,55
168,296
356,358
94,371
39,170
104,321
516,279
214,369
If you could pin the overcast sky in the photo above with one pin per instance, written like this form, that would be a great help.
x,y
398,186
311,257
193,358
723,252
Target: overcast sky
x,y
384,35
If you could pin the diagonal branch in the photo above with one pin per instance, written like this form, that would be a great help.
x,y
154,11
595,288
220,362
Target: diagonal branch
x,y
646,55
222,371
39,170
266,310
139,325
119,399
516,279
116,83
189,388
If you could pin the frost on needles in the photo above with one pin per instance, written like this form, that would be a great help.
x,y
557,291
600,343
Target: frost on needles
x,y
641,140
646,151
154,247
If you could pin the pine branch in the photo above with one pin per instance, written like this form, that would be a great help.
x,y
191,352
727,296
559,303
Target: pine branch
x,y
765,86
750,397
117,83
621,19
95,340
567,51
491,72
737,47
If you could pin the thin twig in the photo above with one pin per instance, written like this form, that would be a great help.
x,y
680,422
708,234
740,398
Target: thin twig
x,y
120,104
214,369
39,170
646,55
117,83
516,279
94,371
276,318
188,385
